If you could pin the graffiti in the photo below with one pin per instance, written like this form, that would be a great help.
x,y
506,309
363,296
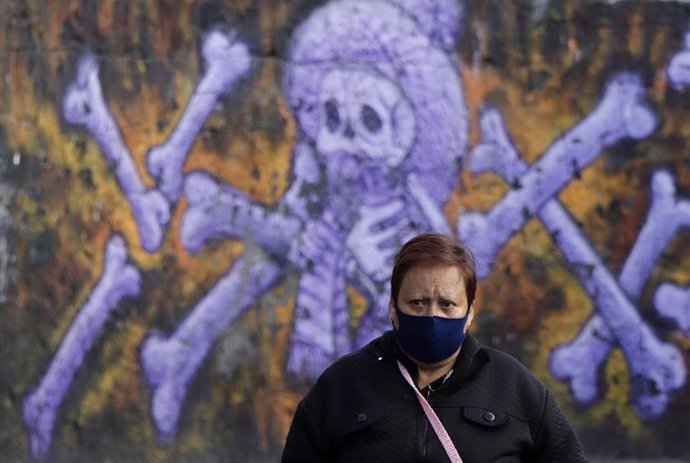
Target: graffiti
x,y
368,124
657,368
84,105
358,155
375,88
386,171
119,279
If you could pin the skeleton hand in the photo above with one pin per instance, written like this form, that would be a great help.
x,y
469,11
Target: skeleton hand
x,y
318,237
376,236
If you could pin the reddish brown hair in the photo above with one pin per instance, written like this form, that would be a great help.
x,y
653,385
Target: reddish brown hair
x,y
430,249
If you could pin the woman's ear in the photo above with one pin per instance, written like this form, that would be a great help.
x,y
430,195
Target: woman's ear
x,y
470,317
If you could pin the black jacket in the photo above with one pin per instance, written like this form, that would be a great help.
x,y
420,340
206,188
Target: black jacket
x,y
362,410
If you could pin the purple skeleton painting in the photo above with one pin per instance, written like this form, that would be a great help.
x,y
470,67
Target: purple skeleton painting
x,y
375,88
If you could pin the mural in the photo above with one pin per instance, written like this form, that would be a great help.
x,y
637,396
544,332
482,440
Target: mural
x,y
176,272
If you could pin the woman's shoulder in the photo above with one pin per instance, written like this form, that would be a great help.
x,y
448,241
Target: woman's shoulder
x,y
364,357
512,370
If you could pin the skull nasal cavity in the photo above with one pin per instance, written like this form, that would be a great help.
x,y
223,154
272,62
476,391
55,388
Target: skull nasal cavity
x,y
348,132
332,116
371,119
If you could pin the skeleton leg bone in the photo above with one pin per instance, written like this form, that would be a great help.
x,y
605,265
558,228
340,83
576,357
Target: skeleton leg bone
x,y
620,114
119,279
226,60
657,368
84,105
169,363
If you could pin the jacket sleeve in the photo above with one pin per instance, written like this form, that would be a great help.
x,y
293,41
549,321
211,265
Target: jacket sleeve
x,y
305,442
556,440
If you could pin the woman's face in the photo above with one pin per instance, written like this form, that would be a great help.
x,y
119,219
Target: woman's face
x,y
432,291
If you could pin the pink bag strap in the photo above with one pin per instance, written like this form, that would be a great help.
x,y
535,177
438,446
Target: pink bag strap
x,y
433,419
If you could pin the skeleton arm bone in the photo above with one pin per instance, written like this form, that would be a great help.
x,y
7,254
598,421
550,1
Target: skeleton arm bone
x,y
218,210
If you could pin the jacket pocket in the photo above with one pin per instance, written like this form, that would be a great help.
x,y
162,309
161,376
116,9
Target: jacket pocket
x,y
377,435
362,419
486,417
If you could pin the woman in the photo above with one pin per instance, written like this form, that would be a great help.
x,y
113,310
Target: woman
x,y
428,381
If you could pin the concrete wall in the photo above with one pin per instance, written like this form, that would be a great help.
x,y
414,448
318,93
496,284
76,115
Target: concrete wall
x,y
199,202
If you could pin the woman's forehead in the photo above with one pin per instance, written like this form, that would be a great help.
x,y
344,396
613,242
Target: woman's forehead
x,y
430,277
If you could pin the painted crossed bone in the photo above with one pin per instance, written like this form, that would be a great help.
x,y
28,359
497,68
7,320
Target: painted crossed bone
x,y
673,302
657,368
620,114
170,362
226,61
214,210
678,69
84,105
119,279
666,216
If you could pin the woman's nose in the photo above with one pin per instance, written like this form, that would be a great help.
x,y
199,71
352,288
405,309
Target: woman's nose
x,y
431,310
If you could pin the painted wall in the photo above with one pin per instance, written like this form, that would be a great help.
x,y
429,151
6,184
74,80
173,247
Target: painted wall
x,y
199,203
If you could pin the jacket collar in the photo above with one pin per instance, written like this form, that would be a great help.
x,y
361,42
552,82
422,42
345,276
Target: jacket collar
x,y
472,356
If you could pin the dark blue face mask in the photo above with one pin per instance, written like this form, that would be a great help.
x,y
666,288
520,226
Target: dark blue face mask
x,y
429,339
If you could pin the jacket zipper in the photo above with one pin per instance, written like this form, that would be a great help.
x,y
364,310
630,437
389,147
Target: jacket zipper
x,y
425,429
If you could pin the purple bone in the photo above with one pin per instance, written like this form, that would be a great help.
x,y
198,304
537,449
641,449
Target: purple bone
x,y
666,215
170,363
84,105
226,61
119,279
217,210
678,69
620,114
657,368
673,302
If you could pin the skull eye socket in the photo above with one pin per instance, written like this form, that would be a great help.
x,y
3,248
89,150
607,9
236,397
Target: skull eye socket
x,y
332,116
371,119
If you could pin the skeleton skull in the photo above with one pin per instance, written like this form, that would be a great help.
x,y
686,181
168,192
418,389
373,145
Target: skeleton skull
x,y
365,114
